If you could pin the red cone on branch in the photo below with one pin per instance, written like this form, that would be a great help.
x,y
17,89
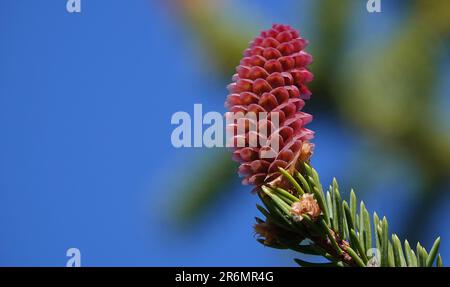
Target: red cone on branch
x,y
272,77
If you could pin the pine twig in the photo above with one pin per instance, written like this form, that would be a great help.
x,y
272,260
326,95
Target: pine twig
x,y
331,227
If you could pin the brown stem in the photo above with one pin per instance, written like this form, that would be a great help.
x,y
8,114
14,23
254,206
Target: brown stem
x,y
326,245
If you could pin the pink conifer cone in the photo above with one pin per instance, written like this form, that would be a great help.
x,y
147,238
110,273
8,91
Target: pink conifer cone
x,y
272,77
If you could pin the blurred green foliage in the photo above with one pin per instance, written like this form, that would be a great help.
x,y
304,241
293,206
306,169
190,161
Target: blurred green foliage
x,y
202,184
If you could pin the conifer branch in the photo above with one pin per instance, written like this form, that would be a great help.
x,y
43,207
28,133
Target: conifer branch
x,y
299,215
306,220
